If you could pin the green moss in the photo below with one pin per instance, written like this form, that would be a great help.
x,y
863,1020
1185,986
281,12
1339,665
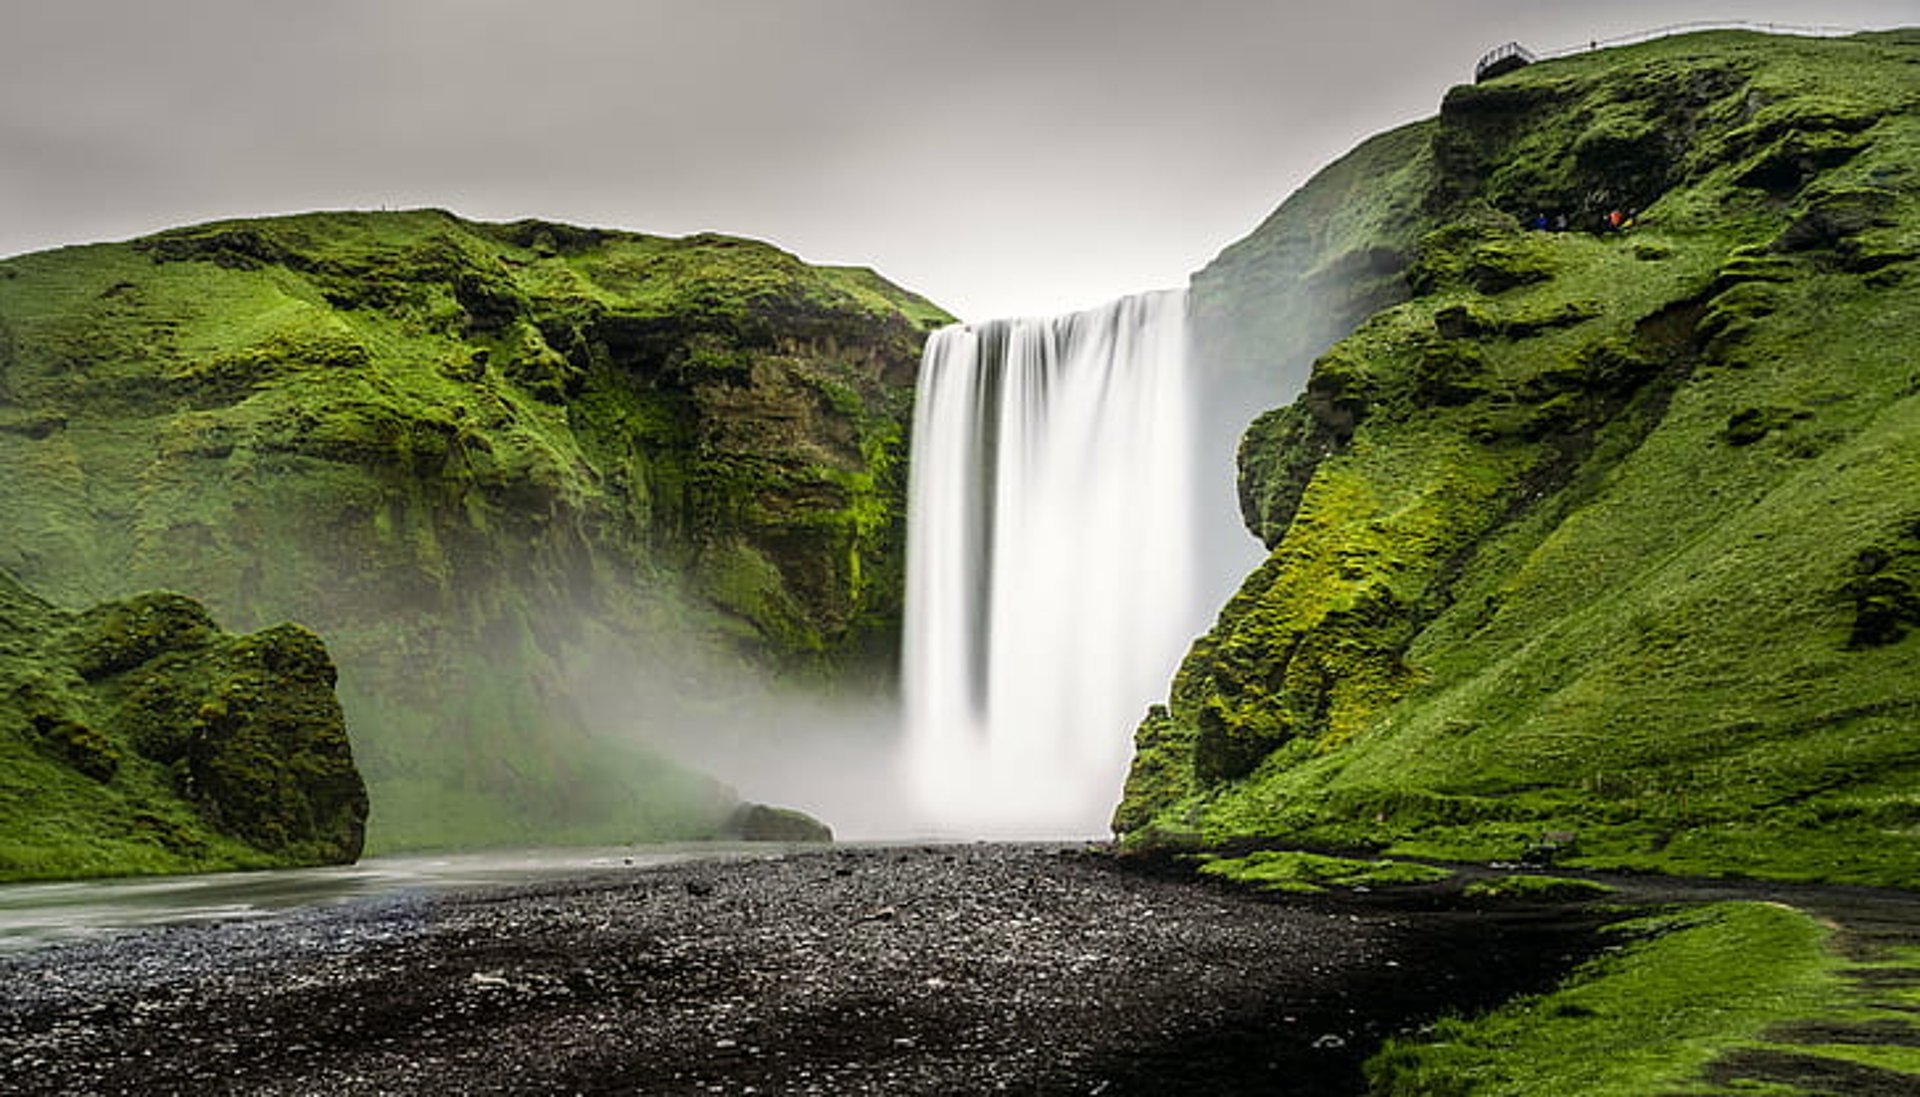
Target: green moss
x,y
1750,425
1681,1005
1278,455
1885,590
1524,886
1278,870
77,745
122,635
1161,774
743,581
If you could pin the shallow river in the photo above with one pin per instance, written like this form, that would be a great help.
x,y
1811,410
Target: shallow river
x,y
41,913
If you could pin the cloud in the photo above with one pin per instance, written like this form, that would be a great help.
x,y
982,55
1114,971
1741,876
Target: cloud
x,y
1000,156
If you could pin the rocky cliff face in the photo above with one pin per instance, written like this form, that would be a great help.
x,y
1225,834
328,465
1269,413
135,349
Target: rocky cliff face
x,y
138,737
1589,544
502,468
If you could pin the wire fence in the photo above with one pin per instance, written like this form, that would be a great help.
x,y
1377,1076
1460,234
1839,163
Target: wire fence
x,y
1808,31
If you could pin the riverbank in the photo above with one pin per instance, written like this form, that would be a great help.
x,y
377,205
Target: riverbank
x,y
935,970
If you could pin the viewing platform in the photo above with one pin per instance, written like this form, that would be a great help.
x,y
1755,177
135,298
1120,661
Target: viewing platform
x,y
1503,60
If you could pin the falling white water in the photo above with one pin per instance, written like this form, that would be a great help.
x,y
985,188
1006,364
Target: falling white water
x,y
1049,562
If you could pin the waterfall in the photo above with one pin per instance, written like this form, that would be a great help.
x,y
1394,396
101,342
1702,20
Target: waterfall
x,y
1049,562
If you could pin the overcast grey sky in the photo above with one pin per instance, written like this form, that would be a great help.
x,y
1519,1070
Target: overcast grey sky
x,y
1000,156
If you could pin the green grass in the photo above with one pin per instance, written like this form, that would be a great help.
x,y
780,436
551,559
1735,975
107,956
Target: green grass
x,y
1670,1008
1527,886
58,824
1285,870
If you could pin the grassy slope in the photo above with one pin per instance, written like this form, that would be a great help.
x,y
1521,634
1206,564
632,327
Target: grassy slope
x,y
1612,538
488,463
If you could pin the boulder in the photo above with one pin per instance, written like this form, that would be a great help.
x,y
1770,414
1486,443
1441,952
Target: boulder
x,y
764,823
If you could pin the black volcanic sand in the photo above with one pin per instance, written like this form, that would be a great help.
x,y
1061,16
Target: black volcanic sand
x,y
943,970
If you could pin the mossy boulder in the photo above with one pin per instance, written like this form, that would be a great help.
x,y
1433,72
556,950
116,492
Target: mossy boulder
x,y
146,739
765,823
1583,532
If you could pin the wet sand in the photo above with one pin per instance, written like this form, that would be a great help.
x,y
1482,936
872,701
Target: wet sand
x,y
923,970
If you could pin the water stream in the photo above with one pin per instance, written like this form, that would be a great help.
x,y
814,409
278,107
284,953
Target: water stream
x,y
36,914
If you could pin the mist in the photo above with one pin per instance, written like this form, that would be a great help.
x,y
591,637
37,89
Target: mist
x,y
830,749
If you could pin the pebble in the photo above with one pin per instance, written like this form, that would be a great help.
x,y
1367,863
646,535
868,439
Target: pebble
x,y
1024,968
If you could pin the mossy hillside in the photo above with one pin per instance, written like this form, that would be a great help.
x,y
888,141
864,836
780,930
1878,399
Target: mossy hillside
x,y
138,737
1600,535
480,459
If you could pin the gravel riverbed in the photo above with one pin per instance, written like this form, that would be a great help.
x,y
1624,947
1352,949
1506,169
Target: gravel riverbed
x,y
842,971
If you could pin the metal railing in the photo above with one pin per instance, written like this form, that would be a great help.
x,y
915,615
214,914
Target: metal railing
x,y
1501,59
